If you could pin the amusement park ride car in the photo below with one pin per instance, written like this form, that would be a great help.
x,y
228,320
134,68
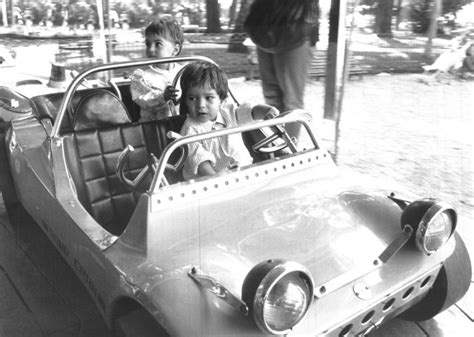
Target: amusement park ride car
x,y
286,246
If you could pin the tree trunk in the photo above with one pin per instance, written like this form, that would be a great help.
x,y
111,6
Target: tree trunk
x,y
243,12
399,14
213,16
232,12
433,27
383,18
235,42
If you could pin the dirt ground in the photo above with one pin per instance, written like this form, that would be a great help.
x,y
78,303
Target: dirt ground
x,y
395,127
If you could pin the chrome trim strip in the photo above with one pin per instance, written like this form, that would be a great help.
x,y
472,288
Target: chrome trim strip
x,y
396,244
212,285
346,278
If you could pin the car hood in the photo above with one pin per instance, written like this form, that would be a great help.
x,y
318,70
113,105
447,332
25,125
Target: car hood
x,y
327,224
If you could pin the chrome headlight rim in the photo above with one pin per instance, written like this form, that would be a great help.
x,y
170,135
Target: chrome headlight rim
x,y
423,213
268,274
430,216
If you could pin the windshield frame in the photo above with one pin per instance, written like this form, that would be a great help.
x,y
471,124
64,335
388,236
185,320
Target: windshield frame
x,y
183,141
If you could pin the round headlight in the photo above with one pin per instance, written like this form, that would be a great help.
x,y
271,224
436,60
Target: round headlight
x,y
433,223
278,293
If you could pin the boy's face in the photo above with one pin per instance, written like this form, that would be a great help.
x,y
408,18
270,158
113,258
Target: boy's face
x,y
203,103
158,46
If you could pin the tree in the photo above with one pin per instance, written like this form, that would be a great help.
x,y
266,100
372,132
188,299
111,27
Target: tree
x,y
383,18
213,16
433,27
232,12
235,43
242,14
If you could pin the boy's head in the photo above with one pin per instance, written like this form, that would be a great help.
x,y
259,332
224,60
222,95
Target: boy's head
x,y
204,87
163,38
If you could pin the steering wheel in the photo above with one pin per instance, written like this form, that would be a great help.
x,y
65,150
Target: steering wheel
x,y
122,160
267,145
151,167
115,88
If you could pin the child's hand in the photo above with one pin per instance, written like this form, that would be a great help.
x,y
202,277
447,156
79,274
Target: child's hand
x,y
272,113
137,75
171,93
264,111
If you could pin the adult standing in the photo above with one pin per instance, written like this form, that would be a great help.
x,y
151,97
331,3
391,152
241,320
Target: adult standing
x,y
285,33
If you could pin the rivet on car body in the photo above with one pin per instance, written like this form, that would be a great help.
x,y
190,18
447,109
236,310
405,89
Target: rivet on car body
x,y
362,291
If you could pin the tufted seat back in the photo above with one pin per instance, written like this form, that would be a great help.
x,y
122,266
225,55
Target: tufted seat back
x,y
99,109
92,154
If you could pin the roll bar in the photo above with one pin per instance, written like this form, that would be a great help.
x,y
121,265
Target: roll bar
x,y
71,89
165,156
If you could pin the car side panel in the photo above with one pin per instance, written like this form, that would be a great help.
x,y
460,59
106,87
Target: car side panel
x,y
39,172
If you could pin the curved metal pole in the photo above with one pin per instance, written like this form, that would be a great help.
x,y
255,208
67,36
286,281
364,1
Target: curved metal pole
x,y
112,66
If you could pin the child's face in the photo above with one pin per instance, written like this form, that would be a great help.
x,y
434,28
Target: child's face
x,y
158,46
203,103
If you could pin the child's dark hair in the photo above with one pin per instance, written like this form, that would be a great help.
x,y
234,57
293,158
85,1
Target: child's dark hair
x,y
167,27
201,73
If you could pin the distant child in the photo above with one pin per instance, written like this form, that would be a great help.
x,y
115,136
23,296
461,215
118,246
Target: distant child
x,y
151,88
204,90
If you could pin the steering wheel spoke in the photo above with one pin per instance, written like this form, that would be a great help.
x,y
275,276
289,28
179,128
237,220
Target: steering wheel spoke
x,y
134,183
278,132
151,167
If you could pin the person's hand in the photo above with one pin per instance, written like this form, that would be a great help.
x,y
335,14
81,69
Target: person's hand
x,y
264,111
232,166
271,113
171,94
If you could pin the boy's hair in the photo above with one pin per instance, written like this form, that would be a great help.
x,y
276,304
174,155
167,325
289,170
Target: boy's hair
x,y
168,27
201,73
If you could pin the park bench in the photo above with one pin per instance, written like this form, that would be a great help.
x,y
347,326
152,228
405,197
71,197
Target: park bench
x,y
317,67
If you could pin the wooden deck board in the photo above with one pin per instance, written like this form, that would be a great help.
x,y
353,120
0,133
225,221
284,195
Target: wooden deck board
x,y
51,300
15,317
450,323
37,294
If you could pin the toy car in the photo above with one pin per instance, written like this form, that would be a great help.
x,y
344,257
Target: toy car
x,y
286,246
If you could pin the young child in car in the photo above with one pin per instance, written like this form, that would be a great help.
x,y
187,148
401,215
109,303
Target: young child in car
x,y
150,88
204,90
